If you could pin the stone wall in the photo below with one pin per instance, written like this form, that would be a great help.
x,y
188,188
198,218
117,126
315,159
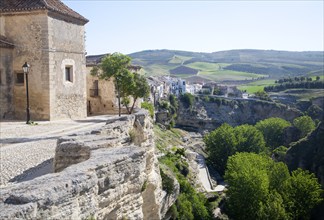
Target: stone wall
x,y
104,173
103,103
48,44
28,31
7,83
67,49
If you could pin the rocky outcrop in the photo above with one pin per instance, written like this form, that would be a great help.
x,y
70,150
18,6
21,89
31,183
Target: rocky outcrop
x,y
208,115
109,173
308,153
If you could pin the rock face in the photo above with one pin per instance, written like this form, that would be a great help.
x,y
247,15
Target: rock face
x,y
208,115
308,153
104,174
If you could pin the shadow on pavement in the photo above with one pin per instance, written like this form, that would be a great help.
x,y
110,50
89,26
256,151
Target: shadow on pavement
x,y
39,170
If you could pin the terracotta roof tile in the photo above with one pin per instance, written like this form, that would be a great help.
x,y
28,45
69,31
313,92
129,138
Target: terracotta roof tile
x,y
4,42
29,5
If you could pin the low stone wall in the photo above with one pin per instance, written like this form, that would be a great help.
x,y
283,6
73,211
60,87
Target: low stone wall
x,y
110,173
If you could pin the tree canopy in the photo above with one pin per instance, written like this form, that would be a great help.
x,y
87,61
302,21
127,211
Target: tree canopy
x,y
260,188
226,141
305,124
273,130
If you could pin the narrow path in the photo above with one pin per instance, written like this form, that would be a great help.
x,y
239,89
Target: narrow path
x,y
205,178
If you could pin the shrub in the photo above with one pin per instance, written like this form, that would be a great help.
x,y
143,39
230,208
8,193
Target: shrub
x,y
167,182
188,99
149,107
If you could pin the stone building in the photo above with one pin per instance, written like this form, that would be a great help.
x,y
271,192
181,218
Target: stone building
x,y
101,94
50,37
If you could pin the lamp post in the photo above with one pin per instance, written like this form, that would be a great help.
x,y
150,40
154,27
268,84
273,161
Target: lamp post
x,y
25,68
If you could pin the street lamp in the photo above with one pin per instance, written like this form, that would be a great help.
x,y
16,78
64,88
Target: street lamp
x,y
25,68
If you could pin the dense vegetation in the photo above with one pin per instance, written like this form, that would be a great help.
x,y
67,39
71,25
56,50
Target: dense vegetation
x,y
190,204
174,167
295,85
226,141
264,183
272,130
268,190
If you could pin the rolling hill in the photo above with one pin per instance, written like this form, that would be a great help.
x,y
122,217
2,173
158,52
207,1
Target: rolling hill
x,y
230,66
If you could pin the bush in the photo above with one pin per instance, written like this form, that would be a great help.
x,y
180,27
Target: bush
x,y
149,107
167,182
187,99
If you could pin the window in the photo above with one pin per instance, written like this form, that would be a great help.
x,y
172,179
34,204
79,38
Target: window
x,y
20,78
68,73
184,83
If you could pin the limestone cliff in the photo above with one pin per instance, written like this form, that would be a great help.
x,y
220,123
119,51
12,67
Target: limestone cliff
x,y
308,153
109,173
208,115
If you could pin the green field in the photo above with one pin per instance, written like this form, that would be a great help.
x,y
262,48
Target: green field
x,y
255,86
233,65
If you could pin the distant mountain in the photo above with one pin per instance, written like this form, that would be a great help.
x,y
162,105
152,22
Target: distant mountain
x,y
230,65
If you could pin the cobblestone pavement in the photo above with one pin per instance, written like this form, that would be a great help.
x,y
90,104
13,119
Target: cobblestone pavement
x,y
29,149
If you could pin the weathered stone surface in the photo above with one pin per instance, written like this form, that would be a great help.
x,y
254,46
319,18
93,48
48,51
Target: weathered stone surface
x,y
117,180
210,115
308,153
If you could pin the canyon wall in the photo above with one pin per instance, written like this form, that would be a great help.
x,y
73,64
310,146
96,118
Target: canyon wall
x,y
208,115
109,173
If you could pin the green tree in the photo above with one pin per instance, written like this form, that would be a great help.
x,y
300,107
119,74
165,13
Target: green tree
x,y
188,99
138,88
115,65
273,130
226,141
261,94
302,193
220,143
268,190
305,124
250,180
249,139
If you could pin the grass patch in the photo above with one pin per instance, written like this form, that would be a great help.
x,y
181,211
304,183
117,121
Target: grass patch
x,y
167,138
256,86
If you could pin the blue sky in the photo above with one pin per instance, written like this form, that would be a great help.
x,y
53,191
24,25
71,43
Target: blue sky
x,y
201,26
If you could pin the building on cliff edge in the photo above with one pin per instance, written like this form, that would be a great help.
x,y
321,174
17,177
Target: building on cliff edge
x,y
51,38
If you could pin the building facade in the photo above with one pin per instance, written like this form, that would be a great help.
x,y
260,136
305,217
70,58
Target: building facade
x,y
50,37
101,94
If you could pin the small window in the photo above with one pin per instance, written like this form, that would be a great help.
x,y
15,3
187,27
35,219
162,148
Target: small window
x,y
184,83
68,73
20,78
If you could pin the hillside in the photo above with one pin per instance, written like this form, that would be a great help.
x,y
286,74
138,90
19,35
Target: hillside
x,y
232,65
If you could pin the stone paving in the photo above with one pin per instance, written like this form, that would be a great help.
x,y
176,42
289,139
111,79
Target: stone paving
x,y
27,151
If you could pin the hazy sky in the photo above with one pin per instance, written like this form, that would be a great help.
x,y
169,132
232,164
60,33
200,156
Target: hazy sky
x,y
201,26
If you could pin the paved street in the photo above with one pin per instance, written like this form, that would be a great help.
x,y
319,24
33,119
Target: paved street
x,y
28,150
